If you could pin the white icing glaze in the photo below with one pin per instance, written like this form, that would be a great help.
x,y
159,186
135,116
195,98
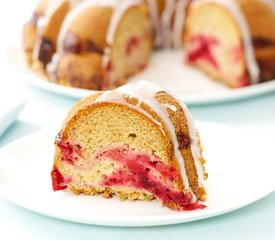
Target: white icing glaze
x,y
166,24
72,15
270,3
74,3
155,21
36,49
119,8
171,107
106,57
51,7
168,34
179,22
42,21
196,152
145,92
52,66
195,149
233,7
118,97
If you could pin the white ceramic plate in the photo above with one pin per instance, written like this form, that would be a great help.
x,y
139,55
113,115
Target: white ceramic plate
x,y
166,68
240,172
10,106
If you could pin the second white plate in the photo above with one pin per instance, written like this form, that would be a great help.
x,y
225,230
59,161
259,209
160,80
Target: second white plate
x,y
166,68
240,172
10,106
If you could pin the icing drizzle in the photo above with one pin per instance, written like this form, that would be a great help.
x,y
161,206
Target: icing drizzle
x,y
145,92
50,8
179,22
119,7
270,3
166,19
153,7
167,32
233,7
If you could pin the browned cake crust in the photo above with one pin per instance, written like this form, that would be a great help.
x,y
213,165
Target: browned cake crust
x,y
217,41
30,32
45,37
260,18
81,61
179,120
85,58
111,124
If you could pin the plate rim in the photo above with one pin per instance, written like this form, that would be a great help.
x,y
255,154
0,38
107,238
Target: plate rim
x,y
137,221
223,96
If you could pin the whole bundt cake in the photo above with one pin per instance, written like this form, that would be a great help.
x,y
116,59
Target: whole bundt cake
x,y
99,44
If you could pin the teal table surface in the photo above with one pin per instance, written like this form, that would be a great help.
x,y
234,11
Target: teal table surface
x,y
46,110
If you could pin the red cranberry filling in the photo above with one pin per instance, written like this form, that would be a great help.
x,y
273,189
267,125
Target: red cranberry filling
x,y
139,174
237,53
202,50
46,51
132,43
69,152
109,66
58,181
73,44
184,141
98,82
243,80
92,47
141,66
260,42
